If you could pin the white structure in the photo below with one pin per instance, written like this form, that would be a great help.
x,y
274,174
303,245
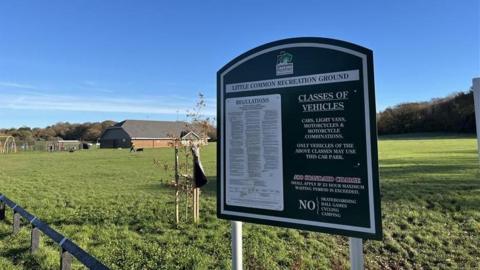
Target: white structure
x,y
476,98
356,253
237,252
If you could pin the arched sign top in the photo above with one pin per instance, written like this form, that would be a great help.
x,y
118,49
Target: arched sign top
x,y
333,44
298,145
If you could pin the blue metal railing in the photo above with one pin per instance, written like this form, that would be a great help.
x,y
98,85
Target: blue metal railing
x,y
66,244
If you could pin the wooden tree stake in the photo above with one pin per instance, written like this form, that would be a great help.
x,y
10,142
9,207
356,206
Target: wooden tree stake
x,y
35,242
16,222
196,205
65,260
177,185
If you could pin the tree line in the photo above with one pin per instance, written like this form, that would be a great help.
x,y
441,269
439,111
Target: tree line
x,y
89,131
85,131
454,113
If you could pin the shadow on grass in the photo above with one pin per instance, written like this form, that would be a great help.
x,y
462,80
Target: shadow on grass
x,y
210,189
426,136
159,186
420,171
414,168
5,234
443,183
14,252
21,256
459,152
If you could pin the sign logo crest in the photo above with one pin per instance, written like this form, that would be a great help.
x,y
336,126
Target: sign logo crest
x,y
284,63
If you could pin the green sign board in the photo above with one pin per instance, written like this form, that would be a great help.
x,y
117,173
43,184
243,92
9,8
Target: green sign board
x,y
298,143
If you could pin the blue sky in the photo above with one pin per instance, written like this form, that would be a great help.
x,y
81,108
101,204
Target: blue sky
x,y
89,60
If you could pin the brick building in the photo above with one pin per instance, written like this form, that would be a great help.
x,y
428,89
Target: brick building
x,y
148,134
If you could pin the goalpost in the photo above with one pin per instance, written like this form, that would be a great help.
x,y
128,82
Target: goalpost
x,y
7,144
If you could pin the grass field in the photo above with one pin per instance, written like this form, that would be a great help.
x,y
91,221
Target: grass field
x,y
119,207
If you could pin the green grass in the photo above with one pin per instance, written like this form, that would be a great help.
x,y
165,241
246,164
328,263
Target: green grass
x,y
119,207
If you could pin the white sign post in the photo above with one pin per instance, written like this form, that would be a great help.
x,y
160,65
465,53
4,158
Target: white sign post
x,y
476,98
237,245
356,253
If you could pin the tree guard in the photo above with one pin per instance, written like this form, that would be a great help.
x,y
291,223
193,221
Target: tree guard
x,y
7,145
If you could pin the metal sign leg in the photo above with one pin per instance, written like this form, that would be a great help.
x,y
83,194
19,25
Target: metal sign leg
x,y
356,253
237,245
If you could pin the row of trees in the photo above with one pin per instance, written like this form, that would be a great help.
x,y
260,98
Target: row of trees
x,y
454,113
90,132
85,131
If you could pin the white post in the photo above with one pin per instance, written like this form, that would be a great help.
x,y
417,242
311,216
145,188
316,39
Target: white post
x,y
237,245
356,253
476,98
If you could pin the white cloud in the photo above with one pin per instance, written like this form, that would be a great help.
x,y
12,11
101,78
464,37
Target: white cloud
x,y
17,85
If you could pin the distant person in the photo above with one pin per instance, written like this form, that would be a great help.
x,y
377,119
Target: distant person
x,y
132,149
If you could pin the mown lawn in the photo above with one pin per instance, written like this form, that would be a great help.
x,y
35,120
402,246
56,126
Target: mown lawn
x,y
119,207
